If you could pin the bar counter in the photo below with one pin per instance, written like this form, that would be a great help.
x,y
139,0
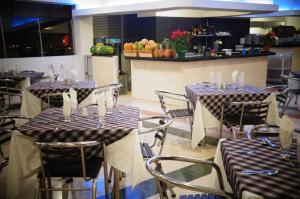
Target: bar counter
x,y
150,74
188,59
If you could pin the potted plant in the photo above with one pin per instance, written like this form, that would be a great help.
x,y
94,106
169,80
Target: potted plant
x,y
179,42
268,40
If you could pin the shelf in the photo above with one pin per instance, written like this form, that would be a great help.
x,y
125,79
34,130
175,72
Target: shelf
x,y
211,35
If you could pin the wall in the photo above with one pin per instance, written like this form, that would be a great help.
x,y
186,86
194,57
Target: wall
x,y
83,40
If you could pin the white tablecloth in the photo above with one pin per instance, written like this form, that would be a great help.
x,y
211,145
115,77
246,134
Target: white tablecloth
x,y
32,105
124,155
204,119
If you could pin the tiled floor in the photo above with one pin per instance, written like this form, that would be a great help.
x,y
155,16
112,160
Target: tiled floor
x,y
177,143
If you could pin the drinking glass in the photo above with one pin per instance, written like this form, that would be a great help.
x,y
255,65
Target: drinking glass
x,y
212,79
285,143
241,81
101,120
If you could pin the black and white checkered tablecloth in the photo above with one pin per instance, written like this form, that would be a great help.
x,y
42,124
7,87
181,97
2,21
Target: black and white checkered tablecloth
x,y
83,88
49,126
33,76
286,184
213,99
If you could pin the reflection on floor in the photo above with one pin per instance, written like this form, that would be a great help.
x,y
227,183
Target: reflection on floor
x,y
177,143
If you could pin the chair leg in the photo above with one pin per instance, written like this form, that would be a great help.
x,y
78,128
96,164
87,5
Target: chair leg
x,y
160,191
106,180
164,186
94,189
49,186
37,189
296,100
110,174
287,102
4,161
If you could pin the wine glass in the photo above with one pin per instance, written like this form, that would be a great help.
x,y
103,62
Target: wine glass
x,y
285,143
101,120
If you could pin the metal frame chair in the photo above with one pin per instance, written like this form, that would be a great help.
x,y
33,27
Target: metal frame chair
x,y
52,96
115,88
252,113
164,179
5,134
8,89
292,91
263,130
55,148
177,113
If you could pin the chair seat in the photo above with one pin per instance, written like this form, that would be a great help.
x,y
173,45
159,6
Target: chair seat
x,y
180,113
200,196
247,120
146,151
72,167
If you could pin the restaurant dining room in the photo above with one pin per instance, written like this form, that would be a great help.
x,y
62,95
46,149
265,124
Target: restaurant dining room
x,y
149,99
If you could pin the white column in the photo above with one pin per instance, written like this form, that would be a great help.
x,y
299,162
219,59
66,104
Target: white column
x,y
83,40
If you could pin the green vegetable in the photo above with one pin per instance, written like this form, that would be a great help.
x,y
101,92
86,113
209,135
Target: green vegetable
x,y
93,49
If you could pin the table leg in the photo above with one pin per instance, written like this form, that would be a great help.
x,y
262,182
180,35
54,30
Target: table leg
x,y
116,184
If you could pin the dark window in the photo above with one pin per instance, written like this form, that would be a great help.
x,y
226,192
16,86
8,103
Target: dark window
x,y
56,37
21,37
2,54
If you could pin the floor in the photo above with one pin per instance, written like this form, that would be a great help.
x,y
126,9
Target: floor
x,y
177,143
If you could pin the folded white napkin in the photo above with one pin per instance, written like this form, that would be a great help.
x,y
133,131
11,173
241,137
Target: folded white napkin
x,y
234,76
109,98
286,130
66,105
73,95
101,105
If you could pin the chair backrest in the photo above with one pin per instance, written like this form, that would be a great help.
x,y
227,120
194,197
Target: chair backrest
x,y
160,130
293,83
263,130
52,99
115,90
257,110
174,96
160,177
52,152
8,86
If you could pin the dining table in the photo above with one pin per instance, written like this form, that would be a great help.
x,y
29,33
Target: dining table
x,y
118,132
253,170
23,78
32,96
208,101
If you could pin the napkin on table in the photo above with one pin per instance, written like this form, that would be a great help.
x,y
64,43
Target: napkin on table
x,y
73,95
66,105
101,105
285,132
234,76
109,98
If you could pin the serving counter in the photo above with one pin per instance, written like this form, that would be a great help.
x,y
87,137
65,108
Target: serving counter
x,y
150,74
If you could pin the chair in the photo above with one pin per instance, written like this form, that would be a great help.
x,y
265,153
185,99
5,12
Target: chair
x,y
183,113
162,179
252,113
8,90
263,130
52,100
5,133
70,159
292,91
115,90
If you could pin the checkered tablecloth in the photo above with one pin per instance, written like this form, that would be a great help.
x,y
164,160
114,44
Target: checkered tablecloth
x,y
83,88
49,126
213,99
33,76
286,184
